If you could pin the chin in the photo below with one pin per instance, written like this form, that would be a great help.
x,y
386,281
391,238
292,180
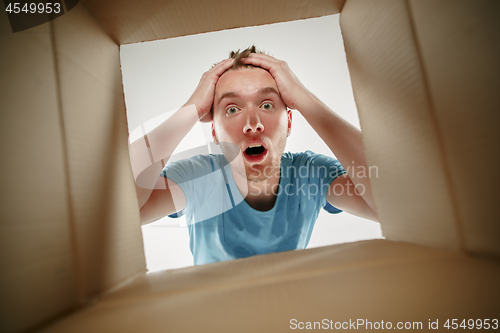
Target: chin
x,y
256,177
261,172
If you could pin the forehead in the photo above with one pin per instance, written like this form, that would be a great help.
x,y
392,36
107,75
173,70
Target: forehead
x,y
244,81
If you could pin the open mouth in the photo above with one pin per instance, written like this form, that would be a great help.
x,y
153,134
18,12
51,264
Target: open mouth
x,y
255,150
255,153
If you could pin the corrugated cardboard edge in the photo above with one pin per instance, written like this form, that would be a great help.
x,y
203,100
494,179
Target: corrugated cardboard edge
x,y
157,19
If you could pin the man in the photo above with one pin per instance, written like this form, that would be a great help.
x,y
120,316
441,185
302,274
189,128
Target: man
x,y
253,198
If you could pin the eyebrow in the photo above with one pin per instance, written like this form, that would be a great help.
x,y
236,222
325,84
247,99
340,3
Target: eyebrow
x,y
262,91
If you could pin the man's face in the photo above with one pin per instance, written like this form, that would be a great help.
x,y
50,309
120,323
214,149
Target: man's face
x,y
250,119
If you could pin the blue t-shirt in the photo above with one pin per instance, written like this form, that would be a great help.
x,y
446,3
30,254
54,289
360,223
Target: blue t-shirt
x,y
222,226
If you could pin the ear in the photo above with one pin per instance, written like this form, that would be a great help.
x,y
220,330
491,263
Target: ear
x,y
289,122
214,135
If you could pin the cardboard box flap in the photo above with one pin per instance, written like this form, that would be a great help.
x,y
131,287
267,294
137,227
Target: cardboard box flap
x,y
372,281
70,219
425,76
37,276
102,192
458,41
139,21
399,133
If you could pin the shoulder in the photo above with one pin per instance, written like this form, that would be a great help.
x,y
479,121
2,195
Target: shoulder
x,y
298,157
315,165
198,159
309,157
199,164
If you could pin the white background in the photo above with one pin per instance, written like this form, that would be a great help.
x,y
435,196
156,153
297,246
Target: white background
x,y
160,76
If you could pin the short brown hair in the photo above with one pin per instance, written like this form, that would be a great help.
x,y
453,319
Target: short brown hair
x,y
239,56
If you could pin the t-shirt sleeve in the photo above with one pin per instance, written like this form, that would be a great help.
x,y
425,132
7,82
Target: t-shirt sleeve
x,y
322,170
188,174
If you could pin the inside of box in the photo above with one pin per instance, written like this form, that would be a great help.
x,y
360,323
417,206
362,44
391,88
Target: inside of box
x,y
425,77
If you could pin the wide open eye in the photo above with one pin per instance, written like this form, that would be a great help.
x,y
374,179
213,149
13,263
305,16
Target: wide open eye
x,y
267,106
231,110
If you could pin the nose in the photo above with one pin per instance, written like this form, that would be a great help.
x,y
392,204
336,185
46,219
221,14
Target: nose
x,y
253,124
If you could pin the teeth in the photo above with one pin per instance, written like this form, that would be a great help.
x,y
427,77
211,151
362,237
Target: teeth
x,y
254,146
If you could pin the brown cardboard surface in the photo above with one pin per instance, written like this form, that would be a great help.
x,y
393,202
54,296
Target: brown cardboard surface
x,y
138,21
106,216
37,275
412,193
372,280
459,45
70,222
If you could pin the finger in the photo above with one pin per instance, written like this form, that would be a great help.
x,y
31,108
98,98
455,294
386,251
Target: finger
x,y
222,66
223,62
260,60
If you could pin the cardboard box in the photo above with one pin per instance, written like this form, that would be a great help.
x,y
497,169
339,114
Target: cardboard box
x,y
425,76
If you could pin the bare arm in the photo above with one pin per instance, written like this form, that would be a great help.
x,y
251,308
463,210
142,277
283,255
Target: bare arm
x,y
148,153
343,139
158,197
346,142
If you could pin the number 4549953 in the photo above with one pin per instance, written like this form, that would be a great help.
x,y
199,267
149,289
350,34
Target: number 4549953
x,y
34,8
472,324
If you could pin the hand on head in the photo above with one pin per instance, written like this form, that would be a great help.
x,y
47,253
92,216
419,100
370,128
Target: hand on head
x,y
203,95
292,91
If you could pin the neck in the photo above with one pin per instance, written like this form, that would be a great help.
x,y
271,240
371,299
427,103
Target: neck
x,y
260,195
